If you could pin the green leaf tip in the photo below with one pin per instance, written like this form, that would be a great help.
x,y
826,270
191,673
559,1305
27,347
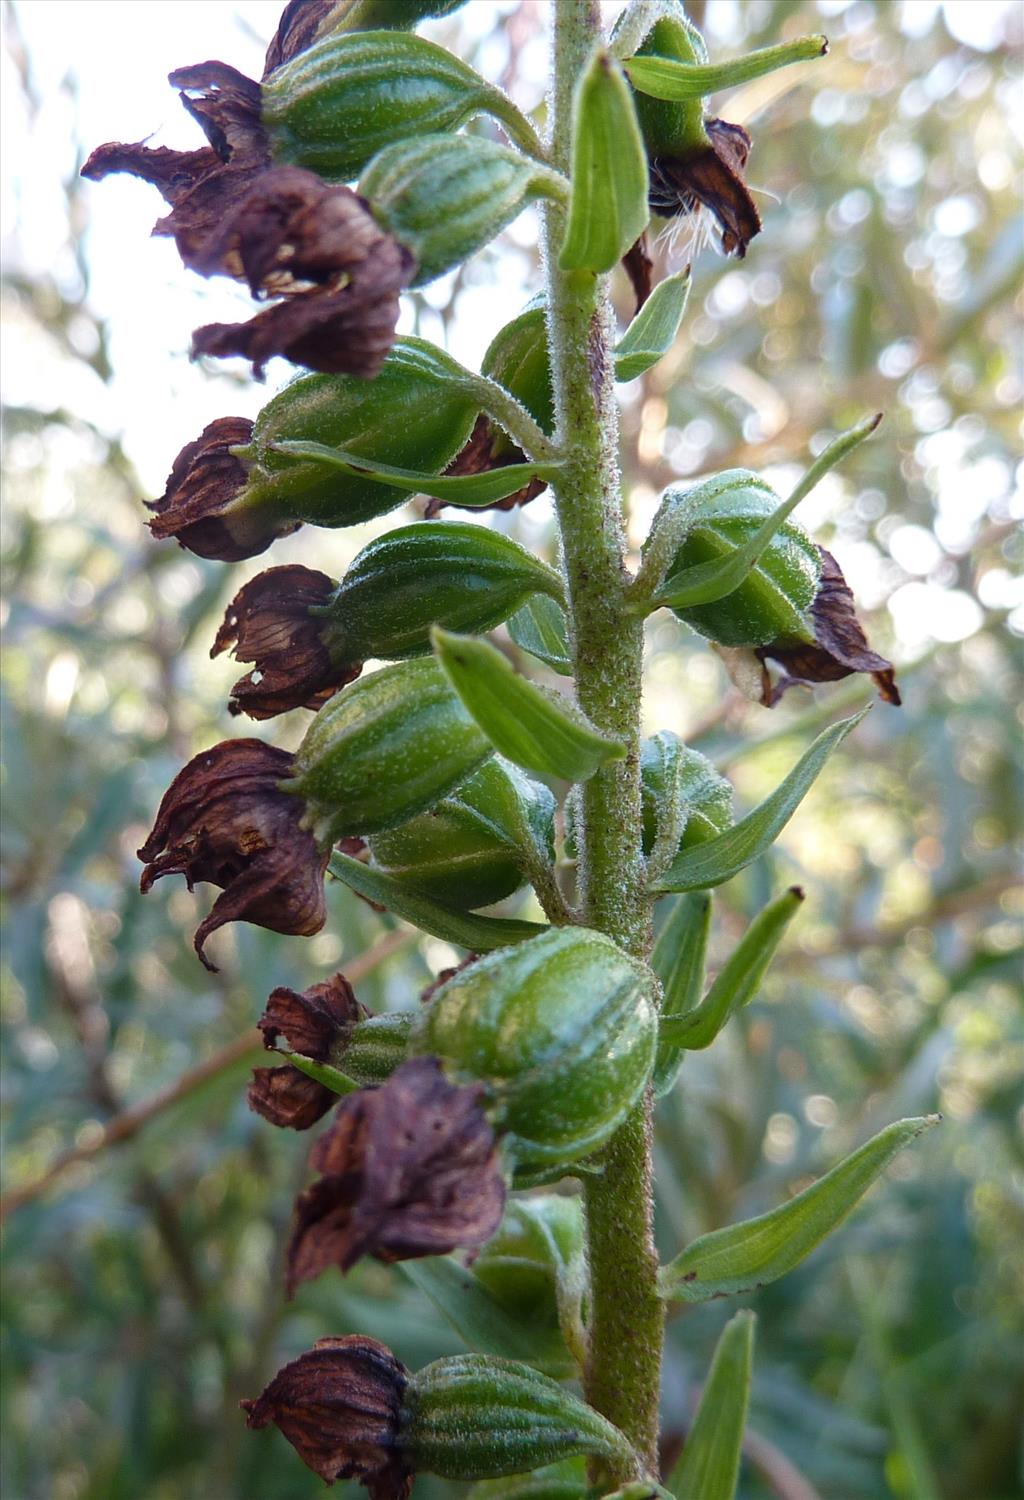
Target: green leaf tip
x,y
746,1256
710,1463
608,208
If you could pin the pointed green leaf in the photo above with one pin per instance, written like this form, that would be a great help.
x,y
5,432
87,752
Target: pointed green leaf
x,y
608,209
461,489
663,78
678,960
539,628
465,929
710,1464
749,1255
738,981
332,1078
709,864
652,332
537,729
479,1318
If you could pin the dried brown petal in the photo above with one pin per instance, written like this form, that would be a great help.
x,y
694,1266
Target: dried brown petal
x,y
288,1098
224,819
710,177
269,624
488,447
426,995
205,503
297,29
340,273
840,647
201,186
313,1022
409,1169
340,1407
639,267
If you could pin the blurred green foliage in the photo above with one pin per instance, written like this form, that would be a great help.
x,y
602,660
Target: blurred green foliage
x,y
143,1290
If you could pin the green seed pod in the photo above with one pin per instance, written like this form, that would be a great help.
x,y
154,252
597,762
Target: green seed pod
x,y
375,1047
518,359
562,1481
474,1416
561,1029
416,414
337,104
670,126
668,769
770,604
384,749
468,851
391,15
534,1266
444,197
449,573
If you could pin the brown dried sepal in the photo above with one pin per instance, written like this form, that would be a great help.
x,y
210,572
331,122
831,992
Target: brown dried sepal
x,y
315,1023
204,505
296,31
269,624
408,1169
488,447
839,649
710,177
639,267
224,819
340,1407
339,272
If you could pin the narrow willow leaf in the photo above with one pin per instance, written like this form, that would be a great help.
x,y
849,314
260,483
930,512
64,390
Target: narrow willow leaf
x,y
652,332
663,78
750,1255
739,979
608,209
678,960
706,865
539,628
538,730
708,582
462,489
710,1464
332,1078
479,1318
465,929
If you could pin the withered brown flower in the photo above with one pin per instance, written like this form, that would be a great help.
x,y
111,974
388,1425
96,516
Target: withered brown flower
x,y
282,229
710,177
225,819
340,1407
206,505
269,624
408,1169
314,1022
639,267
488,447
839,649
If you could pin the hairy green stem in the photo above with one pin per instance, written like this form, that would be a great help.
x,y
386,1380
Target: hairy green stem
x,y
626,1317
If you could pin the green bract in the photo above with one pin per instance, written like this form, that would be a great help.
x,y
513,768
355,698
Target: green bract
x,y
535,1265
448,573
338,103
363,15
383,750
770,604
561,1029
416,412
608,210
444,197
468,851
517,358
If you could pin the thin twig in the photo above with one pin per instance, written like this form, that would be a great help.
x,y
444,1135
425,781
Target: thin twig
x,y
124,1126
